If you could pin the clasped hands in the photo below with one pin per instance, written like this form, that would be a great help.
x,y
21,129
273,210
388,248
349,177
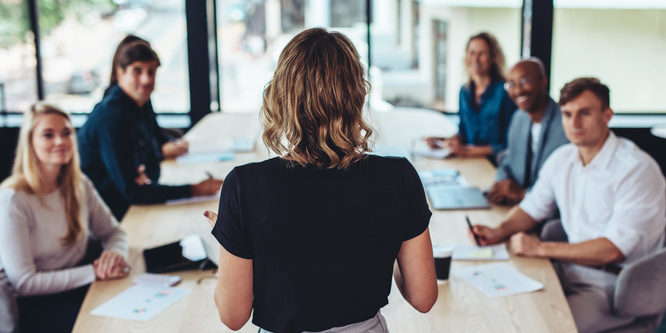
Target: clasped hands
x,y
110,265
521,243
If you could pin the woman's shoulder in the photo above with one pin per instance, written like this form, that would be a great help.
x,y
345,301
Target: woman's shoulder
x,y
385,164
7,195
257,166
16,199
87,185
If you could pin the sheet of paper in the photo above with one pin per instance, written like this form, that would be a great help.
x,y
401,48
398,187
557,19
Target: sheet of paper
x,y
497,280
205,157
442,177
473,252
184,201
140,302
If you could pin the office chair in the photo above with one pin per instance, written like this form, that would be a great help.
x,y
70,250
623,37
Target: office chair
x,y
8,309
640,289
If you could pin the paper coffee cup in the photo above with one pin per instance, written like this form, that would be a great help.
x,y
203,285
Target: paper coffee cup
x,y
442,254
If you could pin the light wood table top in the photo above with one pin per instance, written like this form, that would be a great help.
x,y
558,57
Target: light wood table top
x,y
459,308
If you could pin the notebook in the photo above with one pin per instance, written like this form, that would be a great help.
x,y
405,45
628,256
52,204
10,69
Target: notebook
x,y
444,196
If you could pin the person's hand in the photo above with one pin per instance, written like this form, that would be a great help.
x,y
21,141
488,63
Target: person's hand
x,y
487,236
525,245
435,143
209,186
212,217
142,178
175,148
455,146
110,265
506,192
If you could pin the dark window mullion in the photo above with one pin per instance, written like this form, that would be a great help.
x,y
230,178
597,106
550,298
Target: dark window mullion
x,y
199,59
33,14
537,31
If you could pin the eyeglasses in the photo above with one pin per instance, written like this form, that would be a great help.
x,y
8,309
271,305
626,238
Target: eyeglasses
x,y
523,81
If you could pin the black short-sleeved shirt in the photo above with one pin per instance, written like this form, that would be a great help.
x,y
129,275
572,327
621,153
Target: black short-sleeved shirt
x,y
323,242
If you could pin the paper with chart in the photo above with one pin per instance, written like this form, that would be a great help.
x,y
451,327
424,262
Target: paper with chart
x,y
497,280
473,252
140,302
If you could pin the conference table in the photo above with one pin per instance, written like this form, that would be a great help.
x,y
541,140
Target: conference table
x,y
459,308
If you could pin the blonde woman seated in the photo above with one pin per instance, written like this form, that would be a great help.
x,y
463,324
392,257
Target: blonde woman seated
x,y
309,239
48,210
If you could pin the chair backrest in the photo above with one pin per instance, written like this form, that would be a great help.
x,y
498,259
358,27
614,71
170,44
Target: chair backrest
x,y
8,308
553,231
640,289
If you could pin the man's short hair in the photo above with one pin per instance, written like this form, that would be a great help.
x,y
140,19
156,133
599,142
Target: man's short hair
x,y
575,88
136,51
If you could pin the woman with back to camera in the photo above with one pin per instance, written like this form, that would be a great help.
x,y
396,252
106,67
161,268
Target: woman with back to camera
x,y
309,239
48,210
485,108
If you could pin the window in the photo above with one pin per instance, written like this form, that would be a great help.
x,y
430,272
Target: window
x,y
418,47
622,43
79,38
252,33
18,87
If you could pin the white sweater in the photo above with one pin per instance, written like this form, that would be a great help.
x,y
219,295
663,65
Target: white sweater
x,y
32,256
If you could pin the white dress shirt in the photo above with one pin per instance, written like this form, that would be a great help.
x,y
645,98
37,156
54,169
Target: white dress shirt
x,y
619,195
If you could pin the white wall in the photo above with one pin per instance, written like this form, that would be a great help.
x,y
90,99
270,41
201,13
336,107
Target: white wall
x,y
625,49
462,22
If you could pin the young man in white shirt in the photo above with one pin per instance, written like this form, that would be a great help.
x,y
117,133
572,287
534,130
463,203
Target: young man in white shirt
x,y
611,198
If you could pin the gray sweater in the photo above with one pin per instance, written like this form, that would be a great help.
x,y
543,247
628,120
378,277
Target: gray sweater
x,y
32,256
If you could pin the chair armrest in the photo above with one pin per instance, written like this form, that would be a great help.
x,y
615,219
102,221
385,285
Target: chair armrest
x,y
640,288
553,231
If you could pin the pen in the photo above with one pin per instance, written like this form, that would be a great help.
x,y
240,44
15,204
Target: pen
x,y
210,175
469,224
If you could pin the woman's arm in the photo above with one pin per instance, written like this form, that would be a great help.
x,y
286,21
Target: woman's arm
x,y
233,292
112,263
103,225
415,272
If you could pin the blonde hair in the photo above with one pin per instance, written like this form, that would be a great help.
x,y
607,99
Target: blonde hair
x,y
313,107
498,62
26,175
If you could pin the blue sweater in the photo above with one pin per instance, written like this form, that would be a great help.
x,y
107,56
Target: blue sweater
x,y
118,137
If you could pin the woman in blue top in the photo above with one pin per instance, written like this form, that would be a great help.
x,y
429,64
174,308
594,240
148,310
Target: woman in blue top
x,y
485,107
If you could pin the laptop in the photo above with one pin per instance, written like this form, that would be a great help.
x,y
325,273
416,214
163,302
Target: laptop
x,y
456,197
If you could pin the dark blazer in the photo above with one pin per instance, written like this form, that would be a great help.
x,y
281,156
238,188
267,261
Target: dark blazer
x,y
514,163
